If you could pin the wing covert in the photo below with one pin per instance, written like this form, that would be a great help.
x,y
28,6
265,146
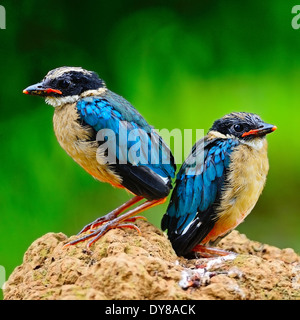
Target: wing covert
x,y
140,153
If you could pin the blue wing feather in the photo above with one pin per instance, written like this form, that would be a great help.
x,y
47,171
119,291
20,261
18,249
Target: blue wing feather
x,y
194,196
111,110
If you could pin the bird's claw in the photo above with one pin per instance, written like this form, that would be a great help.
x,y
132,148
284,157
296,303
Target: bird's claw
x,y
96,234
100,221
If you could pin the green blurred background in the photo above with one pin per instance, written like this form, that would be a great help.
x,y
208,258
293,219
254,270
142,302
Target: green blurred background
x,y
182,64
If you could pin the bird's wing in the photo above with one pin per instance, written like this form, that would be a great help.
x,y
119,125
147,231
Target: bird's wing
x,y
140,156
191,213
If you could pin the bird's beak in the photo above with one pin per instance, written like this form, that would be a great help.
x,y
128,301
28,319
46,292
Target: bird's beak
x,y
264,129
40,90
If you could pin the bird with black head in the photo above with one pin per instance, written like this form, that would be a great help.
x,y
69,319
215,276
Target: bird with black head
x,y
84,106
218,184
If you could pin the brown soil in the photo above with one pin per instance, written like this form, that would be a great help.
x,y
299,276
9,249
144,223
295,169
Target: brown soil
x,y
125,265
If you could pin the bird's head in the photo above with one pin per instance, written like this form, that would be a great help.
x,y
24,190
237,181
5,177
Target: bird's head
x,y
247,127
66,85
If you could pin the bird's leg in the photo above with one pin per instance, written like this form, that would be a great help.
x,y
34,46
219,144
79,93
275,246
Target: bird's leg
x,y
132,219
111,215
208,252
117,223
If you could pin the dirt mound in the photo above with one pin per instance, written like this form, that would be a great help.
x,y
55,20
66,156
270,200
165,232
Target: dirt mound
x,y
125,265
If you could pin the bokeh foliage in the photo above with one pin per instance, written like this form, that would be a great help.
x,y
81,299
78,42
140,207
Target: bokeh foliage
x,y
182,64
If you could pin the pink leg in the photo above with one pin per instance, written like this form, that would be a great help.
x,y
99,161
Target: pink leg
x,y
111,215
208,252
117,223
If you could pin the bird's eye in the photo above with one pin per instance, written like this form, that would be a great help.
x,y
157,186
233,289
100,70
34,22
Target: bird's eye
x,y
63,83
238,127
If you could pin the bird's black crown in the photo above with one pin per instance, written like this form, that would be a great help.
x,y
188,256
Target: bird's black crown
x,y
72,81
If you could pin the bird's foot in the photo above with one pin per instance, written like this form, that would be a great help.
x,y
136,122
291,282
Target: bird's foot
x,y
208,252
111,215
118,222
96,224
96,234
100,221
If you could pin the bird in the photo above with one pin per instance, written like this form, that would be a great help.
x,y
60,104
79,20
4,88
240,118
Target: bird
x,y
87,119
218,184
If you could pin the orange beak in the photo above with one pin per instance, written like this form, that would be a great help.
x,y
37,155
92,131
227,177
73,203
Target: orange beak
x,y
40,90
263,130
